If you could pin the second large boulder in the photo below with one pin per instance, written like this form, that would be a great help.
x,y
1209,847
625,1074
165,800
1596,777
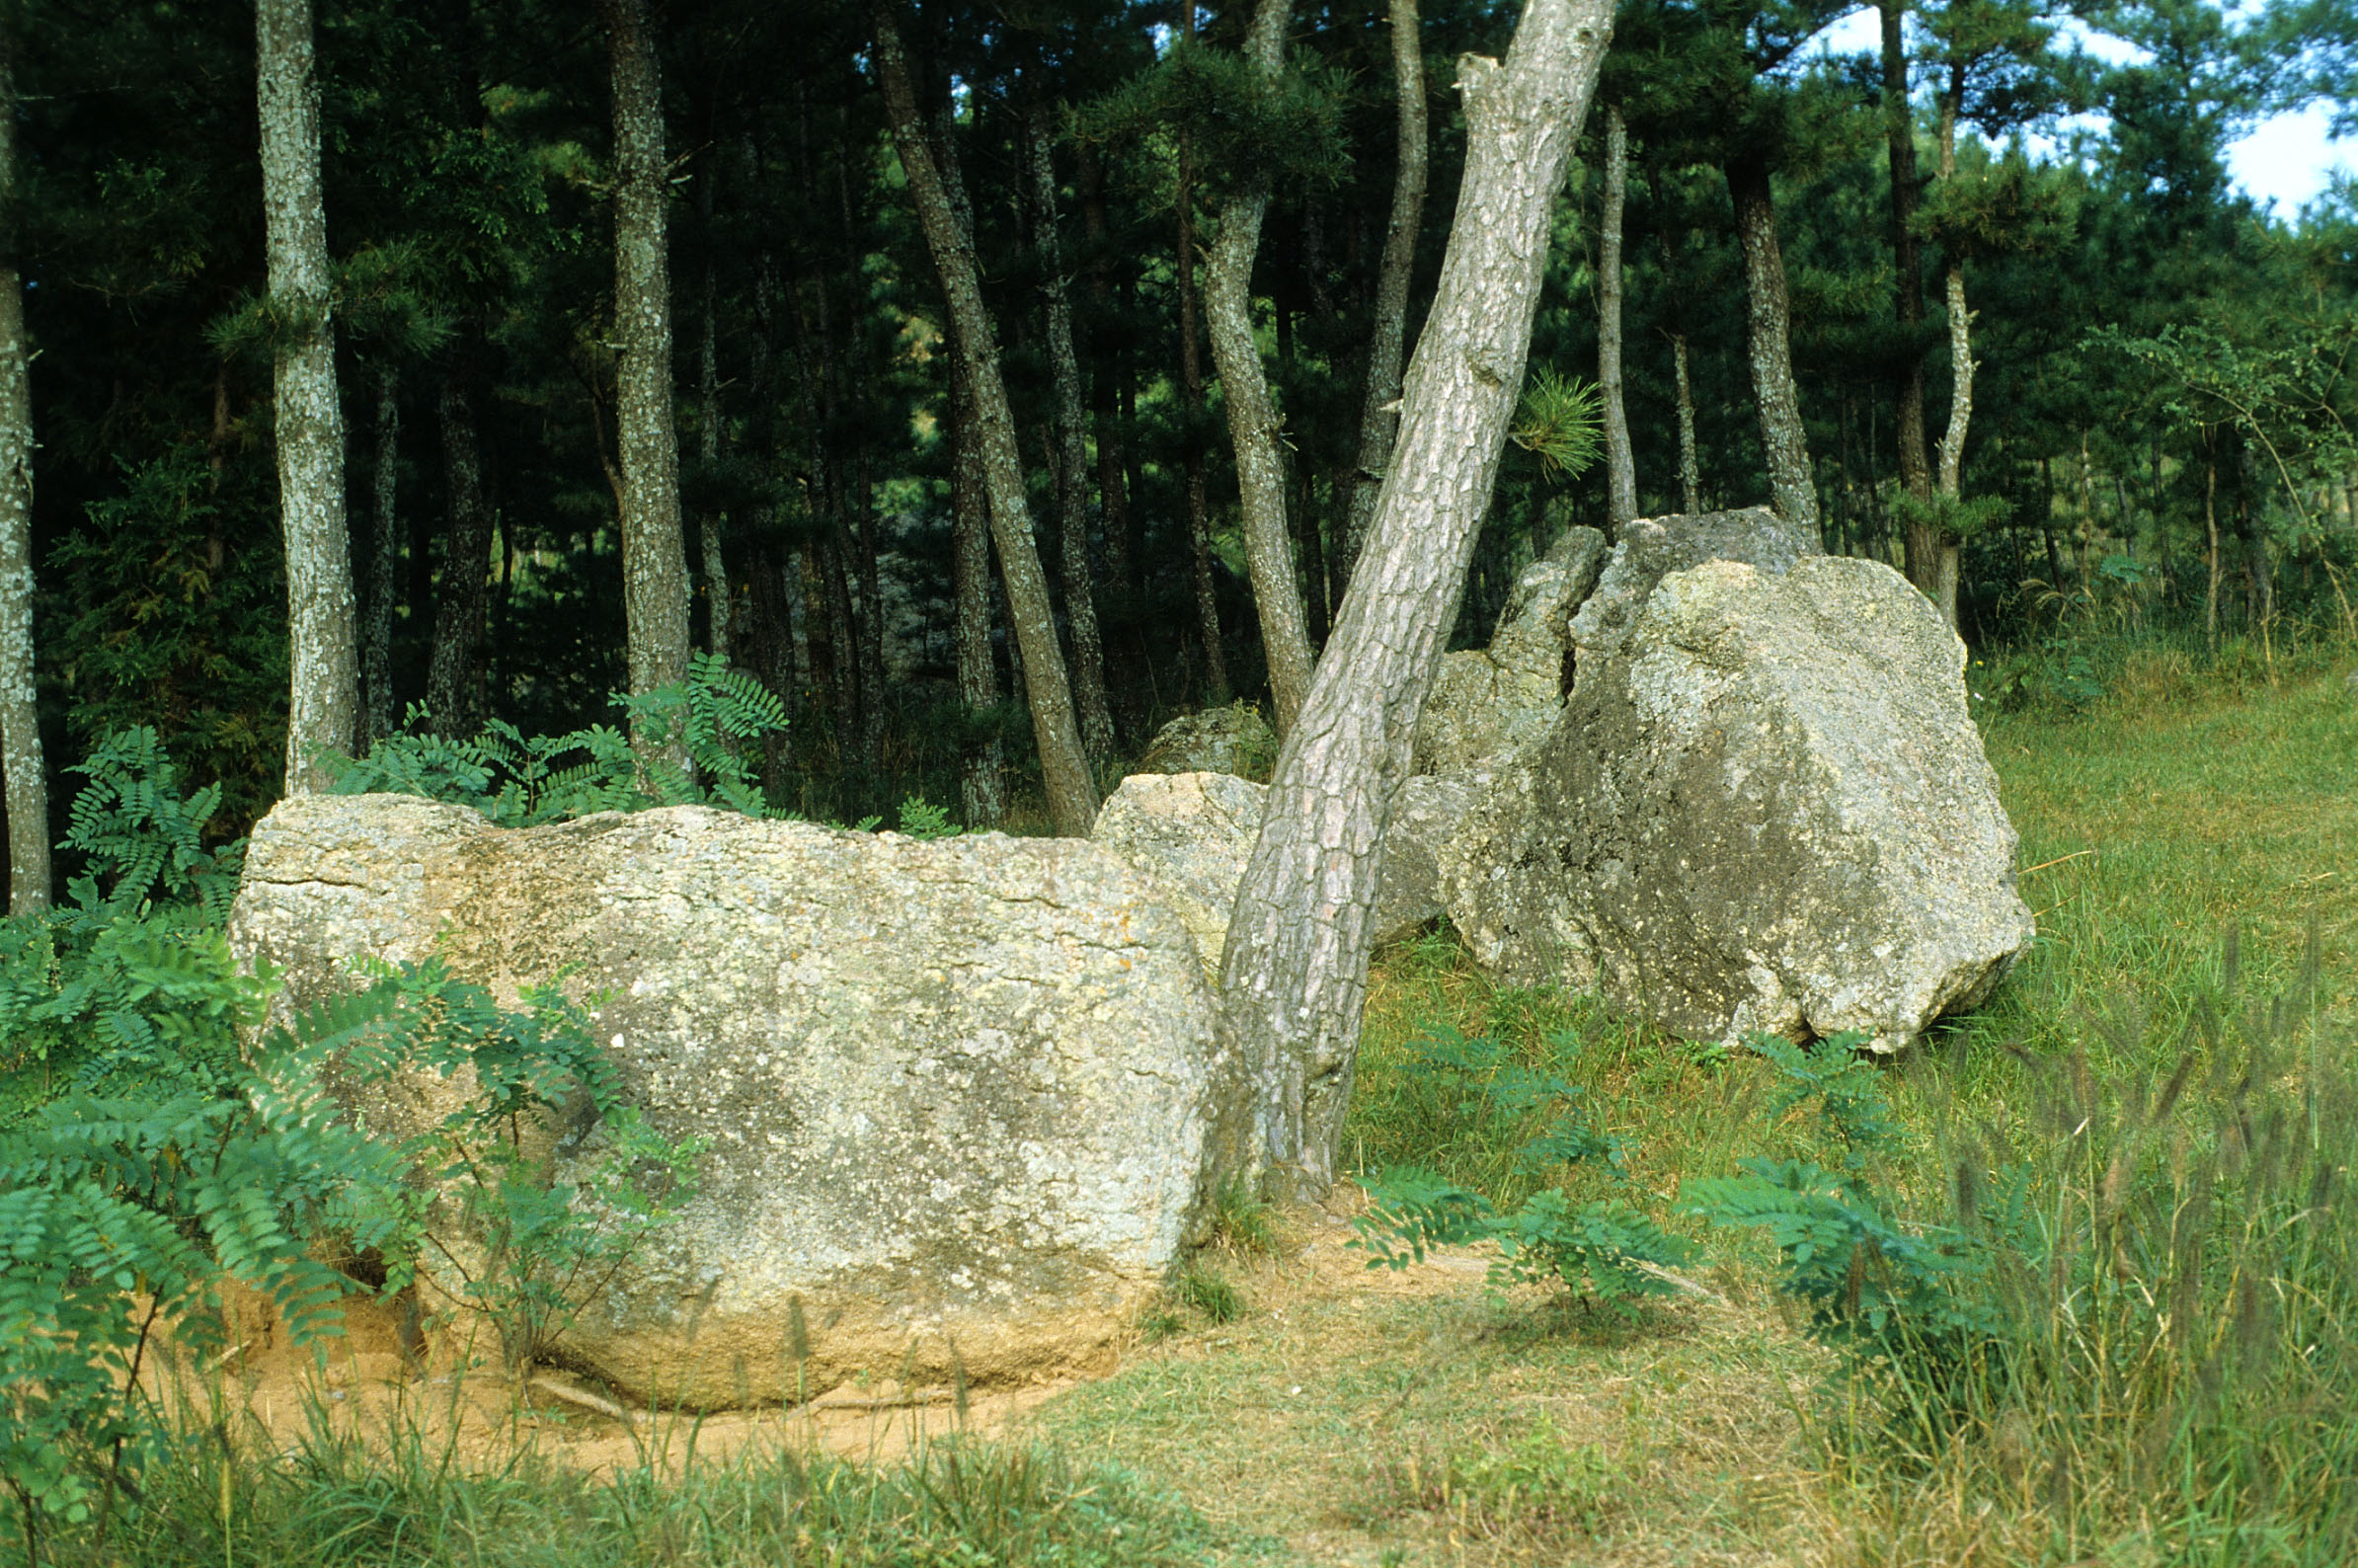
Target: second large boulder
x,y
1765,807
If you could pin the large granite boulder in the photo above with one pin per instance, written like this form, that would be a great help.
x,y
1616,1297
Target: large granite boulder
x,y
1232,740
1765,806
961,1095
1486,702
1189,835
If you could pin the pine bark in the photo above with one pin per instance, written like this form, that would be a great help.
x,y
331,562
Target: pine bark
x,y
1378,409
656,589
1253,421
22,766
982,785
1191,383
1294,975
1072,455
1106,355
1784,440
384,549
1908,301
462,613
1064,763
1960,363
709,527
1621,464
324,697
1690,471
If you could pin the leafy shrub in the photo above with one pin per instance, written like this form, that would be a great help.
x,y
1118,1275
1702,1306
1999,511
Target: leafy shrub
x,y
520,780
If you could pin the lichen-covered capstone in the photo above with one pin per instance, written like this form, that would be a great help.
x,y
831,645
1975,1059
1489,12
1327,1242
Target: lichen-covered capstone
x,y
1232,740
961,1095
1765,806
1189,835
1485,702
1651,548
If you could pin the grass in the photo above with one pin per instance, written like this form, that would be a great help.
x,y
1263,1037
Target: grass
x,y
2142,1144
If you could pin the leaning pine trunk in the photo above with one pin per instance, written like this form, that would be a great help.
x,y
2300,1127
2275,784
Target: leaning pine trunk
x,y
1296,969
1621,465
28,790
324,699
654,571
1064,765
1072,458
1380,411
1770,340
1960,364
1252,417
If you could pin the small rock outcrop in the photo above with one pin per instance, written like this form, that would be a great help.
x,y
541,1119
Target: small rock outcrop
x,y
1488,702
1765,806
961,1095
1190,835
1232,740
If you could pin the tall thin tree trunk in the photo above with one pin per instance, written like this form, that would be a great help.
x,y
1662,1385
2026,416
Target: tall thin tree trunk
x,y
1294,973
1691,472
981,792
324,701
861,497
454,678
1960,363
21,762
1064,763
1621,465
654,571
1253,423
1072,455
1784,440
385,548
2210,522
1380,411
710,526
1908,302
1191,383
1105,356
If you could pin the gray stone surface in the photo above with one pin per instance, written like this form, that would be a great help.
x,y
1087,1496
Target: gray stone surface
x,y
1488,702
1232,740
1651,548
1765,809
1190,835
960,1094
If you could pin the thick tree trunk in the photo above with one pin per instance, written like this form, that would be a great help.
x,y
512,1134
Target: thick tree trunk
x,y
1380,411
1064,763
21,762
1253,423
654,572
1191,383
1295,974
1691,472
384,549
1073,456
1908,299
462,614
1784,441
1621,465
324,699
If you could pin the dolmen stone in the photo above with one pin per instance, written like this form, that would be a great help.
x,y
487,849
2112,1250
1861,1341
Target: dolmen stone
x,y
1190,835
1488,702
961,1095
1765,806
